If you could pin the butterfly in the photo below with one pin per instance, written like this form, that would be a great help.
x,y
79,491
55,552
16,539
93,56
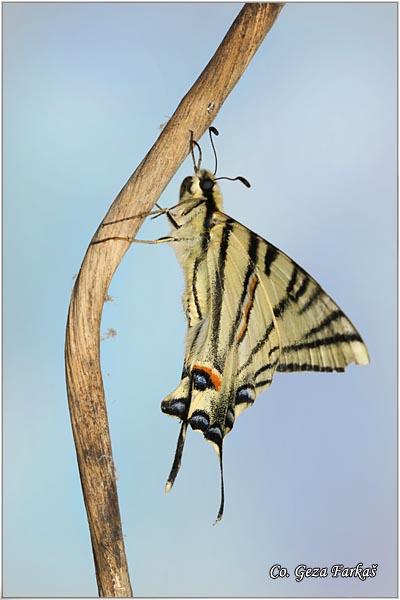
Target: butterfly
x,y
251,311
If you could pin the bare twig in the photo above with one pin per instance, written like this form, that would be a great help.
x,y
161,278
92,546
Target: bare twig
x,y
82,350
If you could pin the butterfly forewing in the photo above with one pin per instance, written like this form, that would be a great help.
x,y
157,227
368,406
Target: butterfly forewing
x,y
315,333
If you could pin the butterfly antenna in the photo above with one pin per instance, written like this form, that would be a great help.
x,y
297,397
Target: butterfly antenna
x,y
213,130
178,457
221,506
193,143
239,178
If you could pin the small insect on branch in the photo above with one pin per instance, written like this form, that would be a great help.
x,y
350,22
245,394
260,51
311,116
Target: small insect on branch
x,y
82,347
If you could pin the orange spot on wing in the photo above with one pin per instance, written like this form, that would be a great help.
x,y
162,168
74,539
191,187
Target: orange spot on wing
x,y
248,307
213,375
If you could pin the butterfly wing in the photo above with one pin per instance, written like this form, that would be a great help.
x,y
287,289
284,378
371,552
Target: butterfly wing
x,y
227,346
315,333
212,392
260,312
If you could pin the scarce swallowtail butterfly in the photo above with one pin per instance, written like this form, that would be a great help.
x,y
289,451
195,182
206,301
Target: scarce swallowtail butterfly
x,y
251,311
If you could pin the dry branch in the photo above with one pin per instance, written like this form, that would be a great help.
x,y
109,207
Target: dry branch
x,y
82,350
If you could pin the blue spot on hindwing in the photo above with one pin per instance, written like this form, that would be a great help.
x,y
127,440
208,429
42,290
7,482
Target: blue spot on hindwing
x,y
200,381
175,407
245,395
214,434
199,420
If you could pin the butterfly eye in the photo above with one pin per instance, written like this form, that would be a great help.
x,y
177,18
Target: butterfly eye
x,y
207,184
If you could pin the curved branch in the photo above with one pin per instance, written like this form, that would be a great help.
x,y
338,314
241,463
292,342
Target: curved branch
x,y
82,349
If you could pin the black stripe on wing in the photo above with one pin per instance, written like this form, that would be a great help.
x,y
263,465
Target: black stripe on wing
x,y
290,294
253,253
302,289
248,308
266,367
264,382
291,367
220,285
311,301
338,338
194,287
270,256
292,281
258,346
334,316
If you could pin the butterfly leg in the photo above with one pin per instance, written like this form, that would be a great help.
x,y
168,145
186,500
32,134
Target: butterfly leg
x,y
162,240
153,213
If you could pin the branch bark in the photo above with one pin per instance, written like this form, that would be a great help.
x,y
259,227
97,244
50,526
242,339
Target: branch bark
x,y
82,348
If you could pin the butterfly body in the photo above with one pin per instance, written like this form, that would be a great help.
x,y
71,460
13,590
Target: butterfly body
x,y
251,311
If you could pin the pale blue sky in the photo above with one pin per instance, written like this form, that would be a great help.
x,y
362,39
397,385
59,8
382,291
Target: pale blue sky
x,y
311,469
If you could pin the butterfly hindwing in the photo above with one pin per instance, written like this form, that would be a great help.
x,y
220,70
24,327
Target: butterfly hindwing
x,y
230,343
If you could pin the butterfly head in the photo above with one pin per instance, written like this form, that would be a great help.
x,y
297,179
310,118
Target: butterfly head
x,y
199,197
201,186
200,193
